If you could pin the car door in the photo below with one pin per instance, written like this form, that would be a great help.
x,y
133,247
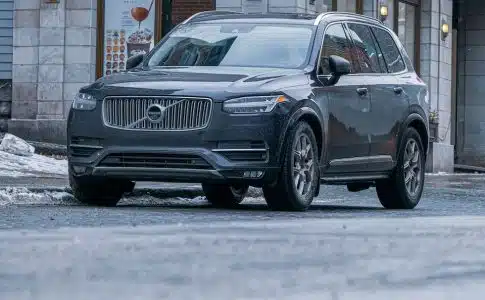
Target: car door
x,y
347,104
389,101
380,86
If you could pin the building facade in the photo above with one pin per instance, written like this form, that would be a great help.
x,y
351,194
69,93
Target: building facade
x,y
6,49
62,46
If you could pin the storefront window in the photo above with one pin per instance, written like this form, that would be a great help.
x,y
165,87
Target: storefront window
x,y
340,5
406,28
346,5
369,8
327,5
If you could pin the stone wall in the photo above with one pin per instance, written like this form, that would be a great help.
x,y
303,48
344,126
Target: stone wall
x,y
436,71
54,55
5,104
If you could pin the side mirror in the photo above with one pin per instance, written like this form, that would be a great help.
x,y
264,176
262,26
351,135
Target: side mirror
x,y
134,61
338,65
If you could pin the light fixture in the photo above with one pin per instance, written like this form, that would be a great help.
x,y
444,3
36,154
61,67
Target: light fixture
x,y
445,30
383,11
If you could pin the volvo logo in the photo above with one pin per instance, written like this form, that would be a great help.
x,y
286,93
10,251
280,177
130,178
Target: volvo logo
x,y
155,113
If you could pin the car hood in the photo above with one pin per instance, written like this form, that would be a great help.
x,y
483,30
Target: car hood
x,y
200,81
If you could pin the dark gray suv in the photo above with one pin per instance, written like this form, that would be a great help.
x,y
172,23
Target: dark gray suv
x,y
279,101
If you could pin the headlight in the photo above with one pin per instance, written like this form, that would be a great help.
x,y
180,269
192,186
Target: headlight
x,y
84,101
250,105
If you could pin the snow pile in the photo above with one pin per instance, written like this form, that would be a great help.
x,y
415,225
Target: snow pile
x,y
14,145
17,159
12,196
36,165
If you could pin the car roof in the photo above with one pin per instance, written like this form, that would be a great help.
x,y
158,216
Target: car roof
x,y
287,18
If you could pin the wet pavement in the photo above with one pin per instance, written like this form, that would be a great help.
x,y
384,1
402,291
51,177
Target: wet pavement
x,y
344,247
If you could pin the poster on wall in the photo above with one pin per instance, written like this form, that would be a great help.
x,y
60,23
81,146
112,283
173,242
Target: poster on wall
x,y
129,27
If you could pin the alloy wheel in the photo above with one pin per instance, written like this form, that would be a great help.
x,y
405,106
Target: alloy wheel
x,y
412,167
303,164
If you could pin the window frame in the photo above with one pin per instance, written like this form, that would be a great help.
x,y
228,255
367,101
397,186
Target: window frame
x,y
320,49
417,29
384,71
393,38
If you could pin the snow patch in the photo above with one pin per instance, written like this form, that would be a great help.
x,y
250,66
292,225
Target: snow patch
x,y
12,165
24,196
14,196
455,174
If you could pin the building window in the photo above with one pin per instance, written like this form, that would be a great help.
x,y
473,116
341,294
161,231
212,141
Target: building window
x,y
346,5
406,29
342,5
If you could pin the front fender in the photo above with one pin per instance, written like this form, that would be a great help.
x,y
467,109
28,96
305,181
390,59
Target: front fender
x,y
309,111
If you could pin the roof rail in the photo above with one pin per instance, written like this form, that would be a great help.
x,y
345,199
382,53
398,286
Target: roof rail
x,y
209,13
320,16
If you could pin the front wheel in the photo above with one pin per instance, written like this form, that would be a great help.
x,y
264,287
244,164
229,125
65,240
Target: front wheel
x,y
405,187
99,191
299,179
225,195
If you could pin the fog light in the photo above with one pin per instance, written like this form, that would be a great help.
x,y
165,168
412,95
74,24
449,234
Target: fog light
x,y
78,169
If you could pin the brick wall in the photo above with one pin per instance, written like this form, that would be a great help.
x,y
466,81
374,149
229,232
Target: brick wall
x,y
182,9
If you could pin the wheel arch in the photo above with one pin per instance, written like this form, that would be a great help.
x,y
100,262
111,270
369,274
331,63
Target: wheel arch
x,y
314,119
418,122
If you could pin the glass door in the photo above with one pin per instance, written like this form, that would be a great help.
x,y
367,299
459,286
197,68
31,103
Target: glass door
x,y
407,29
354,6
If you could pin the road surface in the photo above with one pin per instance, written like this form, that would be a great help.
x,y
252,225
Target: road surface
x,y
345,247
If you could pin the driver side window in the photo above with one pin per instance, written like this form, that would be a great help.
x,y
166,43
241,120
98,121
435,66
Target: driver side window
x,y
335,42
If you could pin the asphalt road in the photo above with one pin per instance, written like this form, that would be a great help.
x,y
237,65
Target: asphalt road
x,y
344,247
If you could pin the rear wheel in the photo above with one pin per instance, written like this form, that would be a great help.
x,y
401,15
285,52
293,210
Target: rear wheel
x,y
225,195
99,191
404,189
299,179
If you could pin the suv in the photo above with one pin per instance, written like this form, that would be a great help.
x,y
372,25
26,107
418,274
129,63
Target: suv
x,y
284,102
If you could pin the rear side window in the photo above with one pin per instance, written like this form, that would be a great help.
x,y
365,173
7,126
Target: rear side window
x,y
335,42
365,49
392,56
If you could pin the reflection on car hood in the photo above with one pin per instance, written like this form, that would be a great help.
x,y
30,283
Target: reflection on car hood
x,y
210,79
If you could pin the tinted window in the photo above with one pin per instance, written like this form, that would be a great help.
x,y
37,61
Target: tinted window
x,y
391,53
365,49
335,42
242,45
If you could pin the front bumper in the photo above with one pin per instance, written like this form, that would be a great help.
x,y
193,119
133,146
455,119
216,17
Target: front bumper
x,y
232,148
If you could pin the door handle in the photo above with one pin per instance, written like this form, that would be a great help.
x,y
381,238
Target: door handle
x,y
362,91
398,90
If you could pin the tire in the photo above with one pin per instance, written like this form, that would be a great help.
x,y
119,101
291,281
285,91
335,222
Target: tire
x,y
225,195
394,193
284,194
99,191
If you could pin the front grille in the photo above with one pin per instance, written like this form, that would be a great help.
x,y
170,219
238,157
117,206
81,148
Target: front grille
x,y
154,160
179,113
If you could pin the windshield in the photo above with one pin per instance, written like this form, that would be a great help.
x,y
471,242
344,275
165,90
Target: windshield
x,y
241,45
